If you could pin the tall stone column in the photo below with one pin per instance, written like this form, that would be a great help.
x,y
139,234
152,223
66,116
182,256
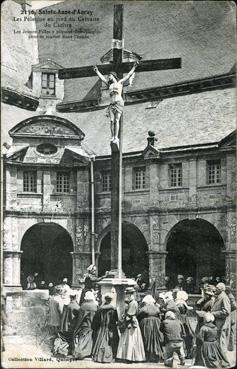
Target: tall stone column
x,y
193,182
157,267
12,269
231,271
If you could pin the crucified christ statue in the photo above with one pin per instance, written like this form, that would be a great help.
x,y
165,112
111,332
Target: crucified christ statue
x,y
115,108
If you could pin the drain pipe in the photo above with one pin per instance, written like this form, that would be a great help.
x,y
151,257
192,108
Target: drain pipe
x,y
92,210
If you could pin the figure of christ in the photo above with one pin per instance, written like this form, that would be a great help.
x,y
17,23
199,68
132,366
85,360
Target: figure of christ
x,y
115,108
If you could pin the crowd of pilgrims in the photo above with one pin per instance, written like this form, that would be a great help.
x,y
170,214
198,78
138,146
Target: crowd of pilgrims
x,y
154,329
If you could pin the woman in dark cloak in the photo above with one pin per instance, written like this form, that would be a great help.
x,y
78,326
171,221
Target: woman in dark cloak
x,y
106,333
149,320
83,333
70,311
208,352
181,302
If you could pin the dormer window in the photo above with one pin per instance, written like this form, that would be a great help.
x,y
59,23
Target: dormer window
x,y
48,84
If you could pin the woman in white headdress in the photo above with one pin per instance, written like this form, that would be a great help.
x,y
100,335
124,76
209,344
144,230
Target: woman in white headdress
x,y
208,352
181,302
149,320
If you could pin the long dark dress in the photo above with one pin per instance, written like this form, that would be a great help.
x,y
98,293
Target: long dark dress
x,y
209,353
83,333
150,328
106,337
187,329
69,313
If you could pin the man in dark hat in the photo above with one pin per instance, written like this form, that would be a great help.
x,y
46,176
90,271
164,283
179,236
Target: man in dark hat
x,y
189,287
168,283
204,283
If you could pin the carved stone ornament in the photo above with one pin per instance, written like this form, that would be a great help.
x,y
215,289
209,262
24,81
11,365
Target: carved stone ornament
x,y
47,125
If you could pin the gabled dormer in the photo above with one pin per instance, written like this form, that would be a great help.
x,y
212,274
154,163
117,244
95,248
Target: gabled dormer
x,y
45,81
46,85
151,152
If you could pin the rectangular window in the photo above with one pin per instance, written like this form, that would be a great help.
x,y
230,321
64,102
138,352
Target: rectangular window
x,y
139,178
29,181
175,175
48,84
213,171
106,181
62,183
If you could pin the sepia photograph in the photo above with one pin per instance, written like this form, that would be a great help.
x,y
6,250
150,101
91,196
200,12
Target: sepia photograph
x,y
118,184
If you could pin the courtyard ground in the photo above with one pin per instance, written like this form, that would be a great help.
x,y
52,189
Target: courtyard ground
x,y
28,352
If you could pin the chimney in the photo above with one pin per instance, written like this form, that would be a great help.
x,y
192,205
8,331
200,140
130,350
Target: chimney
x,y
151,138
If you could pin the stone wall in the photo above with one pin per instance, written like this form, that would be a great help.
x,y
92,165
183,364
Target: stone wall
x,y
158,208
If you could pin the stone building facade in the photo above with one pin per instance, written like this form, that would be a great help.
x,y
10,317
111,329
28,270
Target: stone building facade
x,y
178,206
178,183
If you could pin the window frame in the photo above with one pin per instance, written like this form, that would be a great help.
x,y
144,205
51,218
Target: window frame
x,y
31,186
65,182
47,87
175,175
216,172
108,186
143,180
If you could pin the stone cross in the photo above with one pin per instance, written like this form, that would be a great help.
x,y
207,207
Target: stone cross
x,y
120,68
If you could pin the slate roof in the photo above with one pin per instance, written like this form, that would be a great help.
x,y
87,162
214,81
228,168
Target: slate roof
x,y
202,33
181,121
194,119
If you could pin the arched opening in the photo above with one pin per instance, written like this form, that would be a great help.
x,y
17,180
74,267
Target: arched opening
x,y
195,249
134,252
46,250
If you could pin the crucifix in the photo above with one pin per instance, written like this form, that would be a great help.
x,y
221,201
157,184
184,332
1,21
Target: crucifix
x,y
117,68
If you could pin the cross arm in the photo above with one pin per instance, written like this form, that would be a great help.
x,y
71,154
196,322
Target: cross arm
x,y
144,66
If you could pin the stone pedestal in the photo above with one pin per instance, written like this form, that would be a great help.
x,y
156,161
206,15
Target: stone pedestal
x,y
116,286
